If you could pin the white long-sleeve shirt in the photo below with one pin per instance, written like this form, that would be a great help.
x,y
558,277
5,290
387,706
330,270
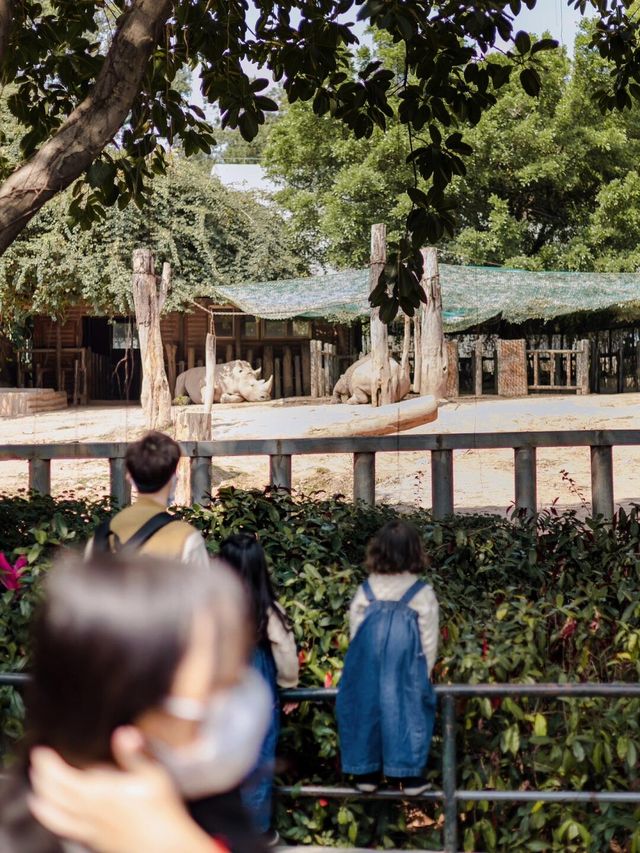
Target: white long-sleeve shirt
x,y
392,588
283,648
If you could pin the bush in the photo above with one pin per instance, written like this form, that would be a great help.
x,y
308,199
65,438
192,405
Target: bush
x,y
552,601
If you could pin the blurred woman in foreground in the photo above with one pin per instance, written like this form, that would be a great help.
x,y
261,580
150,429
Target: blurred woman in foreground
x,y
138,650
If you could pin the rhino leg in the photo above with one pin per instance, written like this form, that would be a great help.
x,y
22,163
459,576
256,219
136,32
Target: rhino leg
x,y
231,398
358,397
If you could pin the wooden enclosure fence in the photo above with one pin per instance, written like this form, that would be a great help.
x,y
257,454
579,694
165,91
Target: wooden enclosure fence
x,y
325,370
560,369
363,450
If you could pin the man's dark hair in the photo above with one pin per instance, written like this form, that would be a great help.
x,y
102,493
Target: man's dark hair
x,y
396,548
152,461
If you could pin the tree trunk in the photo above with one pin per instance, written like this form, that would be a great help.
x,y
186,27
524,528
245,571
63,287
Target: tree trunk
x,y
155,395
210,370
5,26
417,349
380,367
406,345
91,126
433,370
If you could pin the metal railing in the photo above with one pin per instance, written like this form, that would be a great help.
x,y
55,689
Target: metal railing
x,y
363,450
450,795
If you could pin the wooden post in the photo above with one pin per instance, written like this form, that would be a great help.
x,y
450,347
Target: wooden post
x,y
328,369
477,364
267,362
406,345
155,396
76,382
120,487
250,356
191,357
306,369
297,375
525,480
171,351
280,472
433,367
314,368
287,372
364,478
277,383
193,475
229,354
602,481
40,475
210,368
582,367
441,483
380,366
59,381
417,350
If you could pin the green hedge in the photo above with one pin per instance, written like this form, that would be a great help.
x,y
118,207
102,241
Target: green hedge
x,y
553,601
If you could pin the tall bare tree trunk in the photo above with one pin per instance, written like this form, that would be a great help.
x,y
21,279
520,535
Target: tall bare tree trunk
x,y
406,345
433,370
148,300
417,349
210,369
381,393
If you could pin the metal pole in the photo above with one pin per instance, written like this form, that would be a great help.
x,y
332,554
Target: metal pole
x,y
120,487
40,475
602,481
201,480
525,480
442,483
364,478
449,774
280,471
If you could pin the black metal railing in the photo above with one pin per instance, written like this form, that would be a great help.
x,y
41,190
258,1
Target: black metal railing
x,y
450,795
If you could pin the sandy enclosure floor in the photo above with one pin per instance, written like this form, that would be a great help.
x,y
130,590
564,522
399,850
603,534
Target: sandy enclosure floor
x,y
483,479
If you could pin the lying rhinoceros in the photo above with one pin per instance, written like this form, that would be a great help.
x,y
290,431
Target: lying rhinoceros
x,y
236,382
354,386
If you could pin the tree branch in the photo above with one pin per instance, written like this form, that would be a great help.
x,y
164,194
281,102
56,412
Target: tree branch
x,y
91,126
5,26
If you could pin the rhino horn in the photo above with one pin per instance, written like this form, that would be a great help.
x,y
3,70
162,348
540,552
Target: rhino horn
x,y
268,384
257,372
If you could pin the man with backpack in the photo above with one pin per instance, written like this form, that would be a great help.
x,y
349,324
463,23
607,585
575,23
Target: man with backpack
x,y
146,526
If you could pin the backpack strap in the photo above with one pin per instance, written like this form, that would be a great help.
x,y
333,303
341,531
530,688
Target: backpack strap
x,y
148,529
413,590
366,588
103,532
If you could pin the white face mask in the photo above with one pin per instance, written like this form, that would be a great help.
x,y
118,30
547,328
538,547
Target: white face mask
x,y
233,725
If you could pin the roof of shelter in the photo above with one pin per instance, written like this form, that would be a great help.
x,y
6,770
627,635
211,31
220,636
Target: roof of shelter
x,y
470,295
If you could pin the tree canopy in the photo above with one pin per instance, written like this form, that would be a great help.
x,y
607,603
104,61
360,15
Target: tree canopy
x,y
211,235
97,90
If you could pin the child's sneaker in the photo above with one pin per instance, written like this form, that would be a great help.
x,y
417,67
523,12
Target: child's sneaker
x,y
413,786
367,783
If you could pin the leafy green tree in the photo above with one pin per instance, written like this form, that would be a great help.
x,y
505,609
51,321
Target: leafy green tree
x,y
78,93
211,235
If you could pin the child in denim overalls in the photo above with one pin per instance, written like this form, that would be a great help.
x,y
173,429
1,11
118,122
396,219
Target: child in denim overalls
x,y
275,658
386,704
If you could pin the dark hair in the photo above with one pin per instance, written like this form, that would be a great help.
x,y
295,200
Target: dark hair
x,y
395,548
245,555
108,640
152,461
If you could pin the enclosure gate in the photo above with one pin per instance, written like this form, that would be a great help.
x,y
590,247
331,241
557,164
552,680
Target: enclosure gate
x,y
450,795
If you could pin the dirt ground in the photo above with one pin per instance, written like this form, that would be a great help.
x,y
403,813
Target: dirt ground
x,y
483,479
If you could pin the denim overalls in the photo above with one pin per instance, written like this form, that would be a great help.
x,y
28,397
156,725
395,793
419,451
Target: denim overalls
x,y
257,790
386,704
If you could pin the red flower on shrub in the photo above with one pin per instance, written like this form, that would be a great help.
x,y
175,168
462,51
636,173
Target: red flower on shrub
x,y
10,575
444,633
569,628
323,803
328,680
485,647
302,657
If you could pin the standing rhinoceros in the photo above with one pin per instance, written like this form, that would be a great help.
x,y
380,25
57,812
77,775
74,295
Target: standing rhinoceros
x,y
354,386
236,382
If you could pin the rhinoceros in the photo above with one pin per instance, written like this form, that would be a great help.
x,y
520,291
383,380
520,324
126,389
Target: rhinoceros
x,y
354,386
236,382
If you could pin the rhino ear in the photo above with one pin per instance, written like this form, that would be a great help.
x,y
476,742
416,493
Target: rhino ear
x,y
257,372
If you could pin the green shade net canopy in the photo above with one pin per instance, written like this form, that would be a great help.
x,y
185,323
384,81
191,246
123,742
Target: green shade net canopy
x,y
470,295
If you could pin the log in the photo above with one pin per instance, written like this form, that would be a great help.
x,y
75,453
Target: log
x,y
306,368
380,367
345,421
189,426
155,395
433,368
287,372
171,351
210,370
